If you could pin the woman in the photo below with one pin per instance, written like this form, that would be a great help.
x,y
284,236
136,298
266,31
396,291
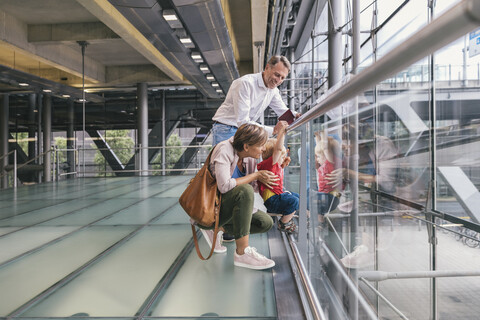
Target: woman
x,y
233,165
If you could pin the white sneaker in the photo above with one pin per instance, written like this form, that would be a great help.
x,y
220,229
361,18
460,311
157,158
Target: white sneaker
x,y
358,258
208,235
252,259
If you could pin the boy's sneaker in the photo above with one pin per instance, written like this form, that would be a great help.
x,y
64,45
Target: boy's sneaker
x,y
252,259
288,227
228,237
208,235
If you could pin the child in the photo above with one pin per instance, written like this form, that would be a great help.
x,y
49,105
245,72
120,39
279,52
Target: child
x,y
276,199
328,158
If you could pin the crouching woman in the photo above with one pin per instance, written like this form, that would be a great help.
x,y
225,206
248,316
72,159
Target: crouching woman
x,y
233,164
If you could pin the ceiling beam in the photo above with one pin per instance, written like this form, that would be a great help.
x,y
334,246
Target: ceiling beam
x,y
69,32
14,37
111,17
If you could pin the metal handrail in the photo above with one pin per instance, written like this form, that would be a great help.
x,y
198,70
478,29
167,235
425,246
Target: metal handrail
x,y
312,298
454,23
6,155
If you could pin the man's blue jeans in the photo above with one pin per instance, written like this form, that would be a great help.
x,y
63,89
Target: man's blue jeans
x,y
221,132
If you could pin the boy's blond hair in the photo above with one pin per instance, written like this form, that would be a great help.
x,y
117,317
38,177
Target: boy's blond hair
x,y
270,147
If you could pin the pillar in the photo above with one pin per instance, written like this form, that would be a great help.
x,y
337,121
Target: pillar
x,y
335,50
32,102
47,137
142,125
4,105
70,137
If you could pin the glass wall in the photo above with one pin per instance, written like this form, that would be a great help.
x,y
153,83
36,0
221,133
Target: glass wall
x,y
392,178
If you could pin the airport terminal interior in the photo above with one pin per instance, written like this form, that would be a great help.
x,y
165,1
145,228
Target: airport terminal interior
x,y
106,113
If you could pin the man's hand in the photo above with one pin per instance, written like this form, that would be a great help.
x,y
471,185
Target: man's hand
x,y
298,115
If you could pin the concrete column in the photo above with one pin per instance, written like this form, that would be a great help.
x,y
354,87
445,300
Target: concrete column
x,y
164,131
47,137
32,102
39,126
4,105
70,137
335,50
142,136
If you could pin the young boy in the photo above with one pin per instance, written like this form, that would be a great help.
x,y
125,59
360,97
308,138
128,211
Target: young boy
x,y
328,157
276,200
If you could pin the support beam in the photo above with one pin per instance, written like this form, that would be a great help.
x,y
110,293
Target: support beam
x,y
13,35
69,32
110,16
106,151
190,153
465,191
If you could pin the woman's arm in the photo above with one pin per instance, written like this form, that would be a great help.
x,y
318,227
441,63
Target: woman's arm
x,y
266,177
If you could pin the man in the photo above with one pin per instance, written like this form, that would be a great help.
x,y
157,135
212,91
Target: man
x,y
249,96
246,100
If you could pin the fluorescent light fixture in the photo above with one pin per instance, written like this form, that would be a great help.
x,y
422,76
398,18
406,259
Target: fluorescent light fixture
x,y
187,42
81,100
197,57
65,95
47,90
23,84
204,68
219,90
210,77
171,18
214,84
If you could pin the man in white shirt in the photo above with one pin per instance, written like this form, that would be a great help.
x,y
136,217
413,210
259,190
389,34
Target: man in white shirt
x,y
246,100
249,96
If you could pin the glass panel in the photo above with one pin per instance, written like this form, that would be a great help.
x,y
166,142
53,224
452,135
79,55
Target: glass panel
x,y
457,250
212,288
28,277
405,23
457,125
99,292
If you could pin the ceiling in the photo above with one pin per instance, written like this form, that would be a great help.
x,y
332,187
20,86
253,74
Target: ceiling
x,y
56,47
128,41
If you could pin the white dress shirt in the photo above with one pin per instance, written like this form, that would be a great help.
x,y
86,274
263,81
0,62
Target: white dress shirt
x,y
246,100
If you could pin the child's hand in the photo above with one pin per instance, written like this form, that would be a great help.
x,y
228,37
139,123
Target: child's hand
x,y
286,162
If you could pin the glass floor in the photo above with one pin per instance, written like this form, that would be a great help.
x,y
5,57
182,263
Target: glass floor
x,y
118,248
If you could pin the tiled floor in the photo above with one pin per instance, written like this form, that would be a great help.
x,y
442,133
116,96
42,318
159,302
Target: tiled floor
x,y
117,247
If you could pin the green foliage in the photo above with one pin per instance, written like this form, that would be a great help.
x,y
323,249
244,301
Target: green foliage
x,y
172,154
22,140
61,143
